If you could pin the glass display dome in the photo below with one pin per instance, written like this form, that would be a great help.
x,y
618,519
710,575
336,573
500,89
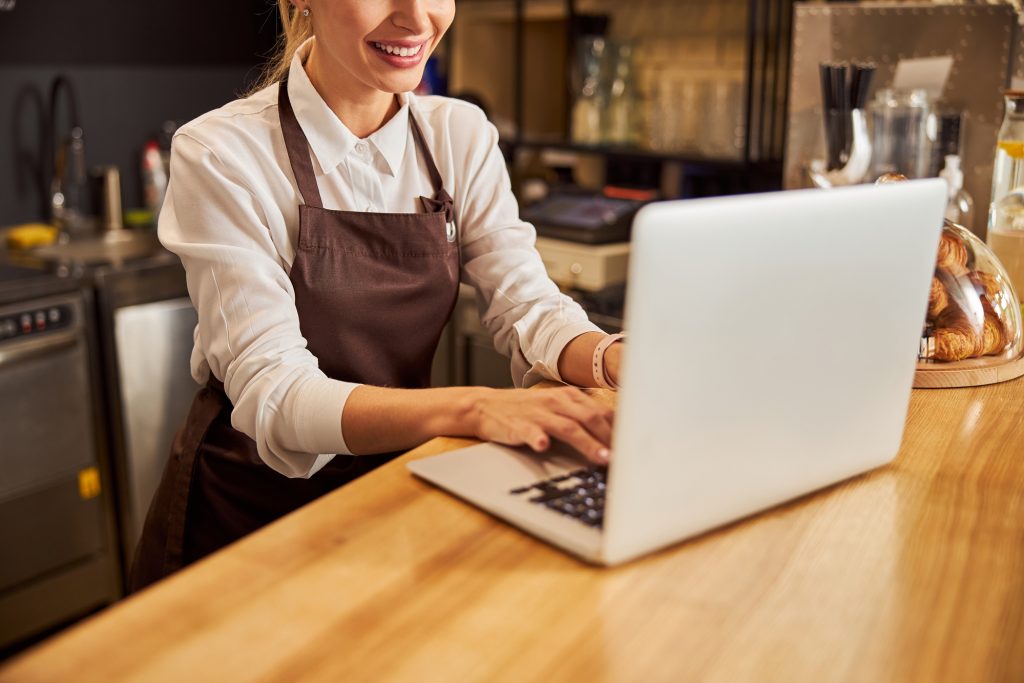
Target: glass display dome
x,y
974,315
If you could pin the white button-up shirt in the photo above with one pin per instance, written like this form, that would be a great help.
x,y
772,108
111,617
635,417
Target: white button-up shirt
x,y
232,214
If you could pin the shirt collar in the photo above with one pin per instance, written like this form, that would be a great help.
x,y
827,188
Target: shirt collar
x,y
329,139
391,139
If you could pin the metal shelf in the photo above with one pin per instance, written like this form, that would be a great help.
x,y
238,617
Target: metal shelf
x,y
625,152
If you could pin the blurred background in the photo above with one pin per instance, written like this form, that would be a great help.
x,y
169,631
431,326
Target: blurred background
x,y
601,107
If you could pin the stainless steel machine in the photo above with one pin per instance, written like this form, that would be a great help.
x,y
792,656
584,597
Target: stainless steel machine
x,y
94,380
57,532
146,323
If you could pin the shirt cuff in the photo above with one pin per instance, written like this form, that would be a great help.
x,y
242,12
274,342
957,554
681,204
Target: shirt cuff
x,y
547,367
319,407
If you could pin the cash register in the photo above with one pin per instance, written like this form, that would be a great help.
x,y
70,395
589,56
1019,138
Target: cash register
x,y
587,218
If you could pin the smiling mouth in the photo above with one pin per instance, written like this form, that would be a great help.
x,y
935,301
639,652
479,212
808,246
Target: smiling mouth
x,y
398,50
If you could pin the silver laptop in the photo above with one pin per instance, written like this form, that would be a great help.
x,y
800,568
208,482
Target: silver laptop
x,y
771,352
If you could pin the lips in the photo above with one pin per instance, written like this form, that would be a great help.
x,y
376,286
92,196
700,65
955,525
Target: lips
x,y
399,53
399,50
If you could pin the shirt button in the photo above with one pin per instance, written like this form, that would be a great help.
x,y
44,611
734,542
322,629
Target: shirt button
x,y
362,148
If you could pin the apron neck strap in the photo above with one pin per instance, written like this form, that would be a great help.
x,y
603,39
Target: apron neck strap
x,y
441,201
421,142
298,149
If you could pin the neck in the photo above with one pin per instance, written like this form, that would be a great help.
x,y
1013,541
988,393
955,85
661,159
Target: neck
x,y
363,109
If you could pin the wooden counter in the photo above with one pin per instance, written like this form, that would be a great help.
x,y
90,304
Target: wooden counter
x,y
914,572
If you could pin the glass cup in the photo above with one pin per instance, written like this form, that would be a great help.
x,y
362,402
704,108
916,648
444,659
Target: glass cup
x,y
901,139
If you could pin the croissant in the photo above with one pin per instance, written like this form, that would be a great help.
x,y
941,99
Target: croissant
x,y
994,336
891,177
990,291
986,283
952,255
938,299
956,338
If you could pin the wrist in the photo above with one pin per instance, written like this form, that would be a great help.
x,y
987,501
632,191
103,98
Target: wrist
x,y
601,363
463,416
612,362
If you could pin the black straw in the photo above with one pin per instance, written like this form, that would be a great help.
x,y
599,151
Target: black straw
x,y
844,87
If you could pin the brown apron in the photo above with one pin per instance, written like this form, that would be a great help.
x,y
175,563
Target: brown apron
x,y
373,292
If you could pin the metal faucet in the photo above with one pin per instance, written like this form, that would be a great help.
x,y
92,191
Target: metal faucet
x,y
69,184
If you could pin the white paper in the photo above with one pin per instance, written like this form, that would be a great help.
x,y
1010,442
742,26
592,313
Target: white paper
x,y
930,73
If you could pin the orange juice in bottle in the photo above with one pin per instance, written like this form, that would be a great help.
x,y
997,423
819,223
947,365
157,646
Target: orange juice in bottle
x,y
1008,172
1006,213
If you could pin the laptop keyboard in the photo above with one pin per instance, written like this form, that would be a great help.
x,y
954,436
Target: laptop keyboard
x,y
578,494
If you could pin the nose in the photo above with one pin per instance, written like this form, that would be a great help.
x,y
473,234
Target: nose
x,y
413,15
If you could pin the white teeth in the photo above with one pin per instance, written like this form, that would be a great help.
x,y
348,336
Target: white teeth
x,y
399,51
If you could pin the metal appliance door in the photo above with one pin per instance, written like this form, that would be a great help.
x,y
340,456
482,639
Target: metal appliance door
x,y
51,514
154,345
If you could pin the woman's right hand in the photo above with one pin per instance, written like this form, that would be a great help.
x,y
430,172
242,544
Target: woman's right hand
x,y
521,417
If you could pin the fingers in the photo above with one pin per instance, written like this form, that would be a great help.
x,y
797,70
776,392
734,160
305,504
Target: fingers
x,y
593,415
531,435
573,433
519,417
579,421
511,429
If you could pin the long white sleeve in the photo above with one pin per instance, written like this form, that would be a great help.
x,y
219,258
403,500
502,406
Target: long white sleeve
x,y
248,333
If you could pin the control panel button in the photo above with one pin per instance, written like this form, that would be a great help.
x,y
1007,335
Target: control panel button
x,y
40,320
53,315
26,323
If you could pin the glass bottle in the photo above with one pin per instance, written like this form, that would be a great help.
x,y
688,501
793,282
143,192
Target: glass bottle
x,y
590,97
1008,172
960,205
1006,235
1006,212
620,126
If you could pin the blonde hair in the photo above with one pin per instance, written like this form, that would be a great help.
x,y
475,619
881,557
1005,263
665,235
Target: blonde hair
x,y
297,29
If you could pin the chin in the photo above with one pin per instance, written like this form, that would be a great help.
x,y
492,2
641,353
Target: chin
x,y
399,85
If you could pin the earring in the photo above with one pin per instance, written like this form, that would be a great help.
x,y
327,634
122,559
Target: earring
x,y
305,12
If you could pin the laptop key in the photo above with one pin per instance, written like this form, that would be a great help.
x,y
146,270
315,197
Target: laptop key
x,y
579,494
548,494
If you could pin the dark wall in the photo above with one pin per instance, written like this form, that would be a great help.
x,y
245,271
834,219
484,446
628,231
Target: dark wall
x,y
133,65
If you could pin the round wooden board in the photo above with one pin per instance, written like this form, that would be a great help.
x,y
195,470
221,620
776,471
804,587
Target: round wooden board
x,y
943,378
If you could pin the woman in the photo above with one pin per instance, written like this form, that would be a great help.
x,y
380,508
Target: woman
x,y
323,253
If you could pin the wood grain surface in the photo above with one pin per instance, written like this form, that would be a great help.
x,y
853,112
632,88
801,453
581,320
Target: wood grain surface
x,y
968,373
914,572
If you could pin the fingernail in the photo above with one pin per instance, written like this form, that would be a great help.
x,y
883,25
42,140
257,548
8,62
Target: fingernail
x,y
604,454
